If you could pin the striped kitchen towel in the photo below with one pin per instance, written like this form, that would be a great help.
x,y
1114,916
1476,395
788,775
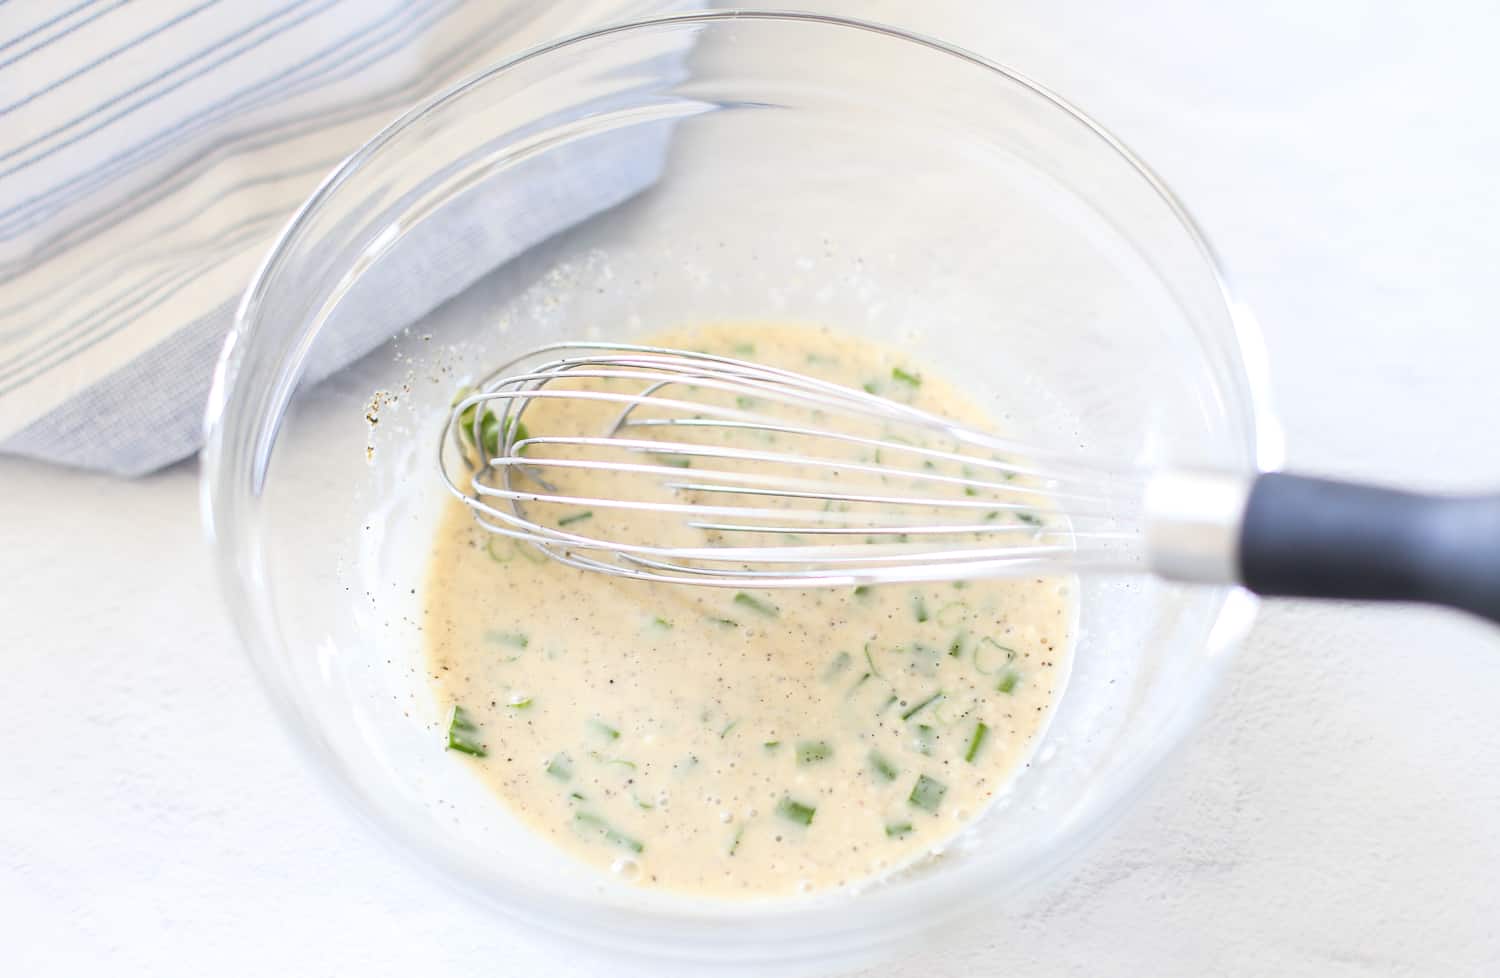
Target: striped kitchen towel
x,y
150,152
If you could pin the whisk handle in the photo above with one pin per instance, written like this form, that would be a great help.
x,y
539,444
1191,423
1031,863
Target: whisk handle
x,y
1318,538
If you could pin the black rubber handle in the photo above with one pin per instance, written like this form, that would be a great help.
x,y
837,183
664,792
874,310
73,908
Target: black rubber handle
x,y
1320,539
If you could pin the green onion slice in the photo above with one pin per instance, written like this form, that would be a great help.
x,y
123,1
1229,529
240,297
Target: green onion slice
x,y
883,768
927,794
755,604
463,733
813,751
981,733
591,822
990,656
914,710
795,811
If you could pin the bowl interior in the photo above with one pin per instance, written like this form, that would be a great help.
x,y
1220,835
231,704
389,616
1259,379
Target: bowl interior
x,y
691,170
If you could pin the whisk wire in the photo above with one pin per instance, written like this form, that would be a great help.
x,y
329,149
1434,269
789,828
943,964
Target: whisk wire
x,y
831,504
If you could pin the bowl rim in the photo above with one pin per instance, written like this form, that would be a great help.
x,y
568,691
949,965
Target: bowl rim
x,y
781,919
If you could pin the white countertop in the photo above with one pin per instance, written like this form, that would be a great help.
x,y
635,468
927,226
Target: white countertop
x,y
1338,814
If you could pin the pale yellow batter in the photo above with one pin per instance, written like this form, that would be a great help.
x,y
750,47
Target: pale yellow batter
x,y
741,743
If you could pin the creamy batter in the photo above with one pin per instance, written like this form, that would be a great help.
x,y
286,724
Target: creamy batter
x,y
741,743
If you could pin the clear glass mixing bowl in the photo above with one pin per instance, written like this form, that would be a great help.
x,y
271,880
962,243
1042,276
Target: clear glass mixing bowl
x,y
737,166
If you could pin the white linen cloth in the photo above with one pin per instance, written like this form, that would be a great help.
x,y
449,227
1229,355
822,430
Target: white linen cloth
x,y
151,151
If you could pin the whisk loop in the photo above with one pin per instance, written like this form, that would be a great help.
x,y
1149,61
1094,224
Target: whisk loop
x,y
694,468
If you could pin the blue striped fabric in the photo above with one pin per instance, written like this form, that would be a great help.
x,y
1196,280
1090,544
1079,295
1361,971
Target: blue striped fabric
x,y
150,151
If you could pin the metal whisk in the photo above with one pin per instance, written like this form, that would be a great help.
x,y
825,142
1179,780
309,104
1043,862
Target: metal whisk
x,y
689,468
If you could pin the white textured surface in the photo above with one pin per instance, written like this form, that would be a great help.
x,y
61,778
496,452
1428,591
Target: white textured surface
x,y
1336,816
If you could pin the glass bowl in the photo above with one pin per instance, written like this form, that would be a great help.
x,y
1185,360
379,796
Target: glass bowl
x,y
697,168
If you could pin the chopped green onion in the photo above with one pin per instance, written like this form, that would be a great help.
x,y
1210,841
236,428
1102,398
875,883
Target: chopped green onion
x,y
734,843
991,516
518,428
730,726
927,794
744,403
489,433
520,704
607,831
896,830
560,767
795,811
466,422
661,623
926,739
575,518
951,710
489,429
507,552
489,425
990,655
644,805
1008,682
882,767
726,622
871,387
956,647
516,640
862,591
616,761
462,733
906,377
577,796
870,660
676,461
1030,519
913,711
888,703
981,731
755,604
960,585
745,349
813,751
605,729
770,746
531,553
918,606
839,664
